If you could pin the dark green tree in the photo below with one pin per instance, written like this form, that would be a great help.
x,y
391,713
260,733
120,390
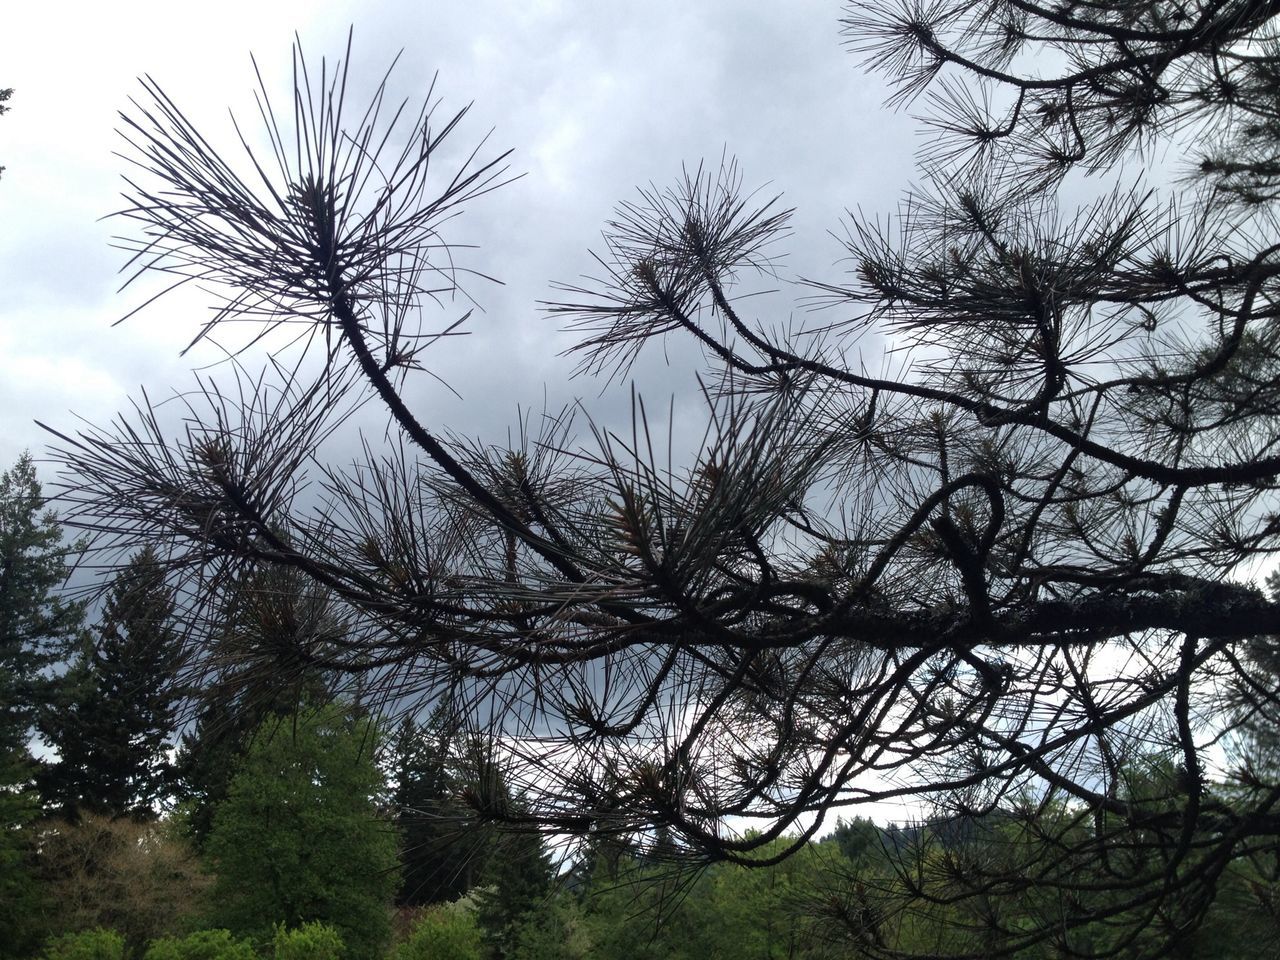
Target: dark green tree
x,y
441,849
20,897
36,626
264,662
115,715
517,885
856,838
300,838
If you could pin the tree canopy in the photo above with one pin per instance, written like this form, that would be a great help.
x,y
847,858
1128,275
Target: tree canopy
x,y
115,714
993,574
299,837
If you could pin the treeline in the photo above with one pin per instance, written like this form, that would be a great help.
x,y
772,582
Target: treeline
x,y
146,797
155,808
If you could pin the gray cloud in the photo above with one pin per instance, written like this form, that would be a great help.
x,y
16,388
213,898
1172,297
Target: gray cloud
x,y
594,98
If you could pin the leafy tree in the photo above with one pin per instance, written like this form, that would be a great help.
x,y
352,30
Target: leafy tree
x,y
311,941
115,716
201,945
141,879
1002,567
99,944
441,933
299,837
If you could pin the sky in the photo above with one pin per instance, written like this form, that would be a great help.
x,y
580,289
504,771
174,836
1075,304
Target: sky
x,y
594,98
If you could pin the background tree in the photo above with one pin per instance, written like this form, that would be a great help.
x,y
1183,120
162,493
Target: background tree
x,y
440,853
36,626
141,879
1000,565
515,889
265,660
299,837
115,715
441,933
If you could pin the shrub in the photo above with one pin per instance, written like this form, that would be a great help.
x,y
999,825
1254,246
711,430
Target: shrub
x,y
99,944
311,941
201,945
141,879
441,933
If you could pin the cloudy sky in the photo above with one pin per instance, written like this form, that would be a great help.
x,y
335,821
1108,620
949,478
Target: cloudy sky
x,y
594,98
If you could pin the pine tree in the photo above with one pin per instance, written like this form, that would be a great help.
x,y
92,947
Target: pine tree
x,y
36,624
516,884
115,716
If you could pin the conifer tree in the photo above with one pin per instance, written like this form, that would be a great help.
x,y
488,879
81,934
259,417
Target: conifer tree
x,y
440,853
517,884
36,625
272,628
116,712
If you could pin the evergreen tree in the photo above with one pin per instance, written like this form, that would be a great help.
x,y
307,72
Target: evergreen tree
x,y
517,883
299,837
36,625
115,716
438,852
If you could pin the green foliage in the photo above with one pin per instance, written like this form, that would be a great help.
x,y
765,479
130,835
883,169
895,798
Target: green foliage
x,y
115,714
276,611
299,838
438,854
35,627
96,944
554,933
36,624
139,878
20,897
857,838
518,883
311,941
442,933
201,945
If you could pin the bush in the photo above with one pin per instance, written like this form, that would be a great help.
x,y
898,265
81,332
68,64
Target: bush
x,y
201,945
140,879
441,933
97,944
311,941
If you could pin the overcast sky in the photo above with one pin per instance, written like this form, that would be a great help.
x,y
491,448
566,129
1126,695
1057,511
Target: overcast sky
x,y
595,99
